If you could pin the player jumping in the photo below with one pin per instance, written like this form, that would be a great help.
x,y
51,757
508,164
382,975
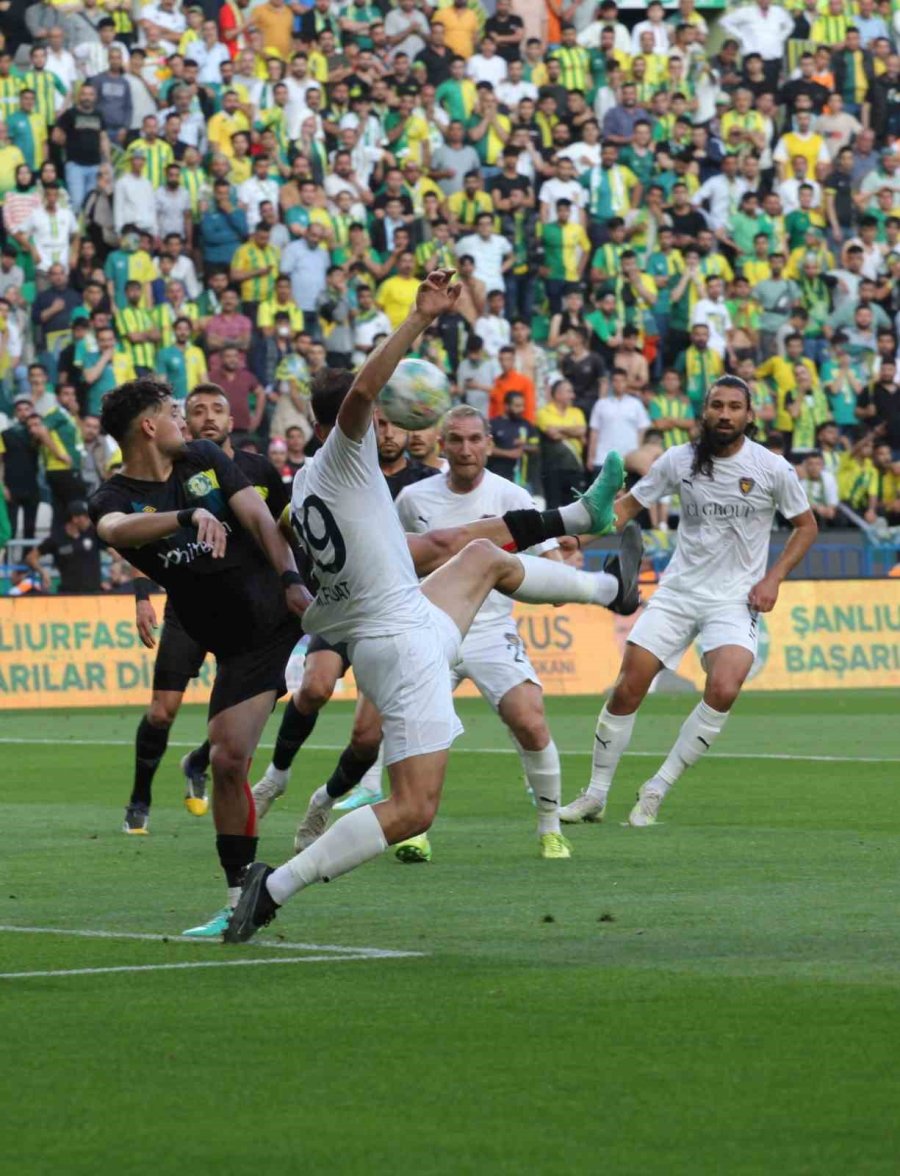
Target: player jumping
x,y
402,637
712,592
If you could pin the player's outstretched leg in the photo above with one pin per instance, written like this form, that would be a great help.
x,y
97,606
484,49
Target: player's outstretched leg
x,y
150,745
355,761
320,674
727,669
613,733
367,791
194,769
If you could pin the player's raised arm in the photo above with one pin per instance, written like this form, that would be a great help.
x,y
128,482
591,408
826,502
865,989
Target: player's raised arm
x,y
436,295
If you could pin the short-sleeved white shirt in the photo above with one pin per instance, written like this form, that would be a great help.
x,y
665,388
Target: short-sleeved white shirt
x,y
431,504
342,513
618,422
726,520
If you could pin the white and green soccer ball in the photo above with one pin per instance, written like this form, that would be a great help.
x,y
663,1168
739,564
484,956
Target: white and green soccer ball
x,y
416,396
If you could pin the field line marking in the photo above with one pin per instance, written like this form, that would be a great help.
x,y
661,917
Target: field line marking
x,y
742,755
311,959
376,953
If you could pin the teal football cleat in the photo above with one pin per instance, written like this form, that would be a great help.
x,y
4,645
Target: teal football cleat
x,y
359,797
213,929
600,496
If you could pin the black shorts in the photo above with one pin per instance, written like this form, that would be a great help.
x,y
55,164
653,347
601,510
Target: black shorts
x,y
178,658
240,676
320,645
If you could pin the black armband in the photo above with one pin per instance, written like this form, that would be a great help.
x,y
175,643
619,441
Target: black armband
x,y
186,517
142,588
290,578
529,527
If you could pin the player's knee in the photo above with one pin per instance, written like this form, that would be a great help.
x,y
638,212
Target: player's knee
x,y
722,690
532,732
315,691
365,742
627,695
161,714
228,763
484,553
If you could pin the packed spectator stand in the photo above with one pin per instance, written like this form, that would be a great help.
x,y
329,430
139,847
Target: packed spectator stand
x,y
635,200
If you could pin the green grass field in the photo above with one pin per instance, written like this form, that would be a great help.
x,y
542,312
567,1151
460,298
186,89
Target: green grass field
x,y
715,995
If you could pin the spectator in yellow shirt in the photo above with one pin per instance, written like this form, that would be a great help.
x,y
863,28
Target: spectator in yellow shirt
x,y
397,295
226,123
461,27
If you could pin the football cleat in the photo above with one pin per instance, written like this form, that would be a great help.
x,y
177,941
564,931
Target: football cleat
x,y
625,565
554,845
646,810
600,496
359,797
267,791
256,907
214,928
313,825
414,849
195,799
137,820
587,806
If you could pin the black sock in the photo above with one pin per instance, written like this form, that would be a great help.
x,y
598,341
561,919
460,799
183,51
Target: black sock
x,y
294,731
149,748
199,758
347,774
529,527
235,852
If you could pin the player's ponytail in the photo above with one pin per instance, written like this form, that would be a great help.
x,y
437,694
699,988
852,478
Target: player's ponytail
x,y
704,451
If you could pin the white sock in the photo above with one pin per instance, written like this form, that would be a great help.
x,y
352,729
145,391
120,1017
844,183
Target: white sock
x,y
698,733
611,738
354,839
544,776
320,798
547,581
280,776
576,518
234,893
371,781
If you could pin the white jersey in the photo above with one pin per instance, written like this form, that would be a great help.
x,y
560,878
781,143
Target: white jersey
x,y
431,504
342,513
726,520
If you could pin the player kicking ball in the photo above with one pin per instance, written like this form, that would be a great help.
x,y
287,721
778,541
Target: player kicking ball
x,y
402,637
712,592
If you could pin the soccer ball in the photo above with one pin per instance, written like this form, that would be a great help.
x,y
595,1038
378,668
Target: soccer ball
x,y
416,396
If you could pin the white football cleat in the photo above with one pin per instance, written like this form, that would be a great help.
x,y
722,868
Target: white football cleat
x,y
314,823
646,810
268,789
587,806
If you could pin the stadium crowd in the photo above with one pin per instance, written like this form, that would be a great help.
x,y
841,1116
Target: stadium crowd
x,y
635,202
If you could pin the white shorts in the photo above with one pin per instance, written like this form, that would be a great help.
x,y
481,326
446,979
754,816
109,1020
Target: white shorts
x,y
495,660
407,678
669,624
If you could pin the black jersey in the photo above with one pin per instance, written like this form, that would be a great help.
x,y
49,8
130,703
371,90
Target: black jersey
x,y
264,479
227,605
412,472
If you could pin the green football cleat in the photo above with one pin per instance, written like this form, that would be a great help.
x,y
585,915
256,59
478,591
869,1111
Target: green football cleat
x,y
214,929
414,849
600,496
554,845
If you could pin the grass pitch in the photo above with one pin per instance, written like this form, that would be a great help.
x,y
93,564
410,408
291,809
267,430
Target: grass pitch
x,y
715,995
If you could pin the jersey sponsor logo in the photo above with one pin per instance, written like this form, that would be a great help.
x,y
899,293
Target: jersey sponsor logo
x,y
202,484
717,510
142,508
746,485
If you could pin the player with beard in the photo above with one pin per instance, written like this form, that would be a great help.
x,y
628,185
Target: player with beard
x,y
188,518
712,592
179,657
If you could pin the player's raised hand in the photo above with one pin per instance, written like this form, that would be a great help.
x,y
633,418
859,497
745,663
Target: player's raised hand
x,y
145,620
210,532
438,294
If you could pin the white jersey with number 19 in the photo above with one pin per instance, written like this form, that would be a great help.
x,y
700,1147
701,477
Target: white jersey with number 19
x,y
342,514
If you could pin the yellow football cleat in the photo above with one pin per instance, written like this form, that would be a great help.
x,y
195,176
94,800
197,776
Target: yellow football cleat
x,y
554,845
414,849
197,806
